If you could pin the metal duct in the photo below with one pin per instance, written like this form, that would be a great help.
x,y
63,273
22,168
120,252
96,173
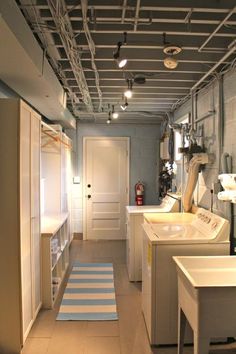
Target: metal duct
x,y
195,162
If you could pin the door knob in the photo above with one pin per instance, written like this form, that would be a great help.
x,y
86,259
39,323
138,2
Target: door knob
x,y
89,196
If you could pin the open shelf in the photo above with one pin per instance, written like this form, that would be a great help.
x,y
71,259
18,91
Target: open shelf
x,y
55,255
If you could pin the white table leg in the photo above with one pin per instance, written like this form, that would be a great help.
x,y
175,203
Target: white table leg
x,y
181,330
201,344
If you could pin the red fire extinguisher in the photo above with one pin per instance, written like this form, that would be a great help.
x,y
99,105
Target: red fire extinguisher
x,y
139,193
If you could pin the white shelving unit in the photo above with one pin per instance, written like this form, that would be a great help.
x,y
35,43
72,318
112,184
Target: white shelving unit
x,y
55,255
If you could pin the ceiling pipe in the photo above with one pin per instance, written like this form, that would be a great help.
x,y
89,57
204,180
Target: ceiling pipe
x,y
63,25
214,67
136,15
123,11
91,44
217,28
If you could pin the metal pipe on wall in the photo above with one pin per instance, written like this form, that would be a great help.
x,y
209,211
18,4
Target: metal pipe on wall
x,y
220,122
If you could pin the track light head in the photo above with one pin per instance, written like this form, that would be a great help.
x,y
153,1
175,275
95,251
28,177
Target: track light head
x,y
128,93
109,117
121,61
124,106
115,115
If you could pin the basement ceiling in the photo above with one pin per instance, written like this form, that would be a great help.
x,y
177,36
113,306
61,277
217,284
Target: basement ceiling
x,y
80,38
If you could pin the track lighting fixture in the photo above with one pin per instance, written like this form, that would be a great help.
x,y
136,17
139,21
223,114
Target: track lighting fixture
x,y
115,115
121,61
128,93
125,105
109,118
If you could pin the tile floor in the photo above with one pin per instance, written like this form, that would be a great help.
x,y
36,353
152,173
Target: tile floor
x,y
125,336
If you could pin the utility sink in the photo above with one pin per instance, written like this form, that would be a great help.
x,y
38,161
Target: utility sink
x,y
218,271
206,299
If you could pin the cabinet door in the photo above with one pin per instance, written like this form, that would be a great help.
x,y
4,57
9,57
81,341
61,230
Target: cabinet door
x,y
25,217
35,211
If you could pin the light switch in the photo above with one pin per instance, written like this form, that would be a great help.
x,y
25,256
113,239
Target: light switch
x,y
76,179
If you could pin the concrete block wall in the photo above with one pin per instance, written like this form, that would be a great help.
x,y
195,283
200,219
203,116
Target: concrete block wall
x,y
208,99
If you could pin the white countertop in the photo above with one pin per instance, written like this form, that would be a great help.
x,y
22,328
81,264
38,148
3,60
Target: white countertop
x,y
51,223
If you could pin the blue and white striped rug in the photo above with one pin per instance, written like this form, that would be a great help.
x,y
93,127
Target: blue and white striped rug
x,y
89,294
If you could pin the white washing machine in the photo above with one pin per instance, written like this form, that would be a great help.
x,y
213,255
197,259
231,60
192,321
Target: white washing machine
x,y
134,220
165,236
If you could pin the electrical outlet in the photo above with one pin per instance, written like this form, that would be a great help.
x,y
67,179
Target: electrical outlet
x,y
216,187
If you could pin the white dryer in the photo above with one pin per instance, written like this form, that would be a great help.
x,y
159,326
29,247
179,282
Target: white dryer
x,y
134,221
165,236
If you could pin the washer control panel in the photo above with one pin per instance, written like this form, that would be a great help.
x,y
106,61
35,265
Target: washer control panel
x,y
208,223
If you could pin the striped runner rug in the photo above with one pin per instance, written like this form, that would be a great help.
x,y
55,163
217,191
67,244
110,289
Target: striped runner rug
x,y
89,294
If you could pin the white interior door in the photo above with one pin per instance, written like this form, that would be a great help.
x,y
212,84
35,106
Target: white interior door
x,y
105,180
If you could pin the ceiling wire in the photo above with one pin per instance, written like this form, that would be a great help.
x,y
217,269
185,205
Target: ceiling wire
x,y
63,25
41,30
84,6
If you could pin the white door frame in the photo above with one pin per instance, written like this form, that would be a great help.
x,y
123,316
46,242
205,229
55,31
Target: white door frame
x,y
85,139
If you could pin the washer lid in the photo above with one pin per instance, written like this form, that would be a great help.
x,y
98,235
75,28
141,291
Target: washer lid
x,y
170,232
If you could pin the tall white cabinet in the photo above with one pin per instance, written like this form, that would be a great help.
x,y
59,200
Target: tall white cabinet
x,y
20,294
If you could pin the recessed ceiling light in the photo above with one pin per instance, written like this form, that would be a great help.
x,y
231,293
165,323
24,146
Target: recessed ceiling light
x,y
170,63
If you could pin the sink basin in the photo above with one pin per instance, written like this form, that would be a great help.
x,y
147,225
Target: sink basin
x,y
214,271
206,298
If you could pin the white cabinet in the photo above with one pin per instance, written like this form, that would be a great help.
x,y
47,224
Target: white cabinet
x,y
134,246
55,255
20,295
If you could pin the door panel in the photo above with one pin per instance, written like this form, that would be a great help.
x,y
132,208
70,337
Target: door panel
x,y
25,210
106,170
35,209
